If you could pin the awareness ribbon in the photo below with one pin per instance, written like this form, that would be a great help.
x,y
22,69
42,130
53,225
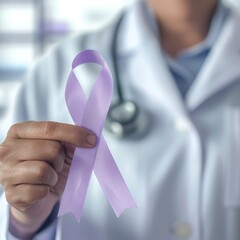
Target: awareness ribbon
x,y
91,113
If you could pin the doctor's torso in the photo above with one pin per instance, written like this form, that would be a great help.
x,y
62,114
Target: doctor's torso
x,y
184,170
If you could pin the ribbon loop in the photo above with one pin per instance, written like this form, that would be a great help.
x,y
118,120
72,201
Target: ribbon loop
x,y
91,113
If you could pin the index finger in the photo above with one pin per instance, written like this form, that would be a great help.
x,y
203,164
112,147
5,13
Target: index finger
x,y
63,132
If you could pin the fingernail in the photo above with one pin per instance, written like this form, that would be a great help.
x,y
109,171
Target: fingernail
x,y
91,139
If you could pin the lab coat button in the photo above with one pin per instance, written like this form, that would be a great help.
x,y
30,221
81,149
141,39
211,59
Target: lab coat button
x,y
182,230
182,125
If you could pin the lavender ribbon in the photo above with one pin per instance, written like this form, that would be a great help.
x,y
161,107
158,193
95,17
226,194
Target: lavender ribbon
x,y
91,113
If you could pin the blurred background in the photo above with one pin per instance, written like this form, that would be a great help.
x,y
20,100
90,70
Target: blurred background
x,y
29,27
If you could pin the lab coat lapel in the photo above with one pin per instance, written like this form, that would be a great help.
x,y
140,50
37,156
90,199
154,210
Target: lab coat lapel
x,y
144,60
159,81
221,68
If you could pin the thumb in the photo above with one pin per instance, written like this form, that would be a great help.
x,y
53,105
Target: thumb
x,y
63,175
69,150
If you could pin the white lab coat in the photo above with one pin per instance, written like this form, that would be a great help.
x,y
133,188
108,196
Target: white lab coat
x,y
184,172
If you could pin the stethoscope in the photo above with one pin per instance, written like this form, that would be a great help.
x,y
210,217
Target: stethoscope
x,y
123,116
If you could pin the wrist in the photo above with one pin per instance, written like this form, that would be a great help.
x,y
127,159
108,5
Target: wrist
x,y
22,226
25,227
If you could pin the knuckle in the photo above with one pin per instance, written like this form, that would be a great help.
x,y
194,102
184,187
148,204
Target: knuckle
x,y
48,128
13,128
46,175
24,208
32,194
10,195
4,167
3,178
54,150
22,197
4,152
42,171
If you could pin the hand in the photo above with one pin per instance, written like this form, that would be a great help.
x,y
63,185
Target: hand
x,y
34,163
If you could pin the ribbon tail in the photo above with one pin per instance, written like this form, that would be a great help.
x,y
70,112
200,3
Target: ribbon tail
x,y
77,183
111,180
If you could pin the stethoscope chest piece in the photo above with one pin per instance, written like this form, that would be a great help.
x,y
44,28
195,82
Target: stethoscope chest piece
x,y
122,118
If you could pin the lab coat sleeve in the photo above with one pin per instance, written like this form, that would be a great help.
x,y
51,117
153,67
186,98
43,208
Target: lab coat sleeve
x,y
47,234
33,102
